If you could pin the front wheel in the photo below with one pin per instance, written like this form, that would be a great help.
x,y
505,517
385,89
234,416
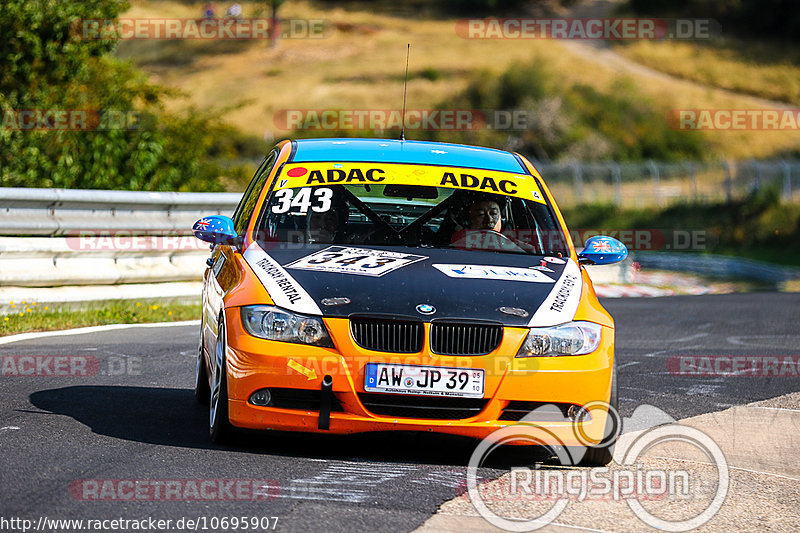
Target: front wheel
x,y
219,425
202,391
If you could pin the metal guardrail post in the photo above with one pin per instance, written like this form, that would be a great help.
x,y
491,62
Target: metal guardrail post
x,y
616,179
787,181
577,176
656,181
756,175
728,182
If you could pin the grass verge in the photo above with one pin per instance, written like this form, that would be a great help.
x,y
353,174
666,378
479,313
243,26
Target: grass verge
x,y
30,316
759,227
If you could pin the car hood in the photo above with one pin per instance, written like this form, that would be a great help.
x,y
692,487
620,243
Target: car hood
x,y
422,283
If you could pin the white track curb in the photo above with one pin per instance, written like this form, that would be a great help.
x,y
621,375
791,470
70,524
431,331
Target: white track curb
x,y
91,329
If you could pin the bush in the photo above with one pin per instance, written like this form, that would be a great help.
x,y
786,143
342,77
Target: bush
x,y
47,66
573,122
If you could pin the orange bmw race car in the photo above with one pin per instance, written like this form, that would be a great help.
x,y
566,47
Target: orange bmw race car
x,y
379,285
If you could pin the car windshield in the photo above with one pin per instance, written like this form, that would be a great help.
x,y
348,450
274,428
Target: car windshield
x,y
409,205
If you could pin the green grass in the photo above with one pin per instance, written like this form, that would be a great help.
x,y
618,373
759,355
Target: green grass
x,y
29,316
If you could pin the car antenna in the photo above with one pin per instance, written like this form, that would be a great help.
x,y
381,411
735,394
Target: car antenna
x,y
405,87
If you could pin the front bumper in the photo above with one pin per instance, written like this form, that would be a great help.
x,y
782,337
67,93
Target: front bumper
x,y
255,364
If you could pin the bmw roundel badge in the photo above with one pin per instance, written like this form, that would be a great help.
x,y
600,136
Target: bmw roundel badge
x,y
425,309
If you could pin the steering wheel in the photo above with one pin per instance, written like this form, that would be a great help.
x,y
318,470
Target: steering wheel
x,y
487,239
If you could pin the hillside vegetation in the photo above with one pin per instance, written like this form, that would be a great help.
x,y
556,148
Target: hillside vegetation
x,y
359,65
45,68
206,109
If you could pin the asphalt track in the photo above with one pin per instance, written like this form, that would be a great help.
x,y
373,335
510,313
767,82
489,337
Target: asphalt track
x,y
136,419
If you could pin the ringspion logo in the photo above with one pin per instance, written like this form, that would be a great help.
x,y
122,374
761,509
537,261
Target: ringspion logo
x,y
545,494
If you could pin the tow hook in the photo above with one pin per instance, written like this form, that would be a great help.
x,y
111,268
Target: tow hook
x,y
325,397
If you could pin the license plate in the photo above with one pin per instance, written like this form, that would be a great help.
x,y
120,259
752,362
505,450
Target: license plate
x,y
424,380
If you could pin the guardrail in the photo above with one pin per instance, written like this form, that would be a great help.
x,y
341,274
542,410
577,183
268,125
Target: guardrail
x,y
54,212
59,261
717,266
660,184
72,246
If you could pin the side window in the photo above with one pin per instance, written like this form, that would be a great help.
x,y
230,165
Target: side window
x,y
238,212
248,202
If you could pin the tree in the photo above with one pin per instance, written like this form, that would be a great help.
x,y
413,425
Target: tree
x,y
274,23
46,66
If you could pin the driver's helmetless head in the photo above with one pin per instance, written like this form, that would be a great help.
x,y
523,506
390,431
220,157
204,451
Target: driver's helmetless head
x,y
485,214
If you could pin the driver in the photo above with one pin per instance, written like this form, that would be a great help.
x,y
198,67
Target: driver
x,y
480,223
322,227
328,226
485,214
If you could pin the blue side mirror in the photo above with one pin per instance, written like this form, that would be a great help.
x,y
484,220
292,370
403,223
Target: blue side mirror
x,y
601,250
215,229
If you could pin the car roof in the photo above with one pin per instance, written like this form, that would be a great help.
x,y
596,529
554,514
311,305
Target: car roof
x,y
411,152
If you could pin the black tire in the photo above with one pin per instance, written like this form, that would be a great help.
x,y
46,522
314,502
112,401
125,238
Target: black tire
x,y
202,392
602,454
220,428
